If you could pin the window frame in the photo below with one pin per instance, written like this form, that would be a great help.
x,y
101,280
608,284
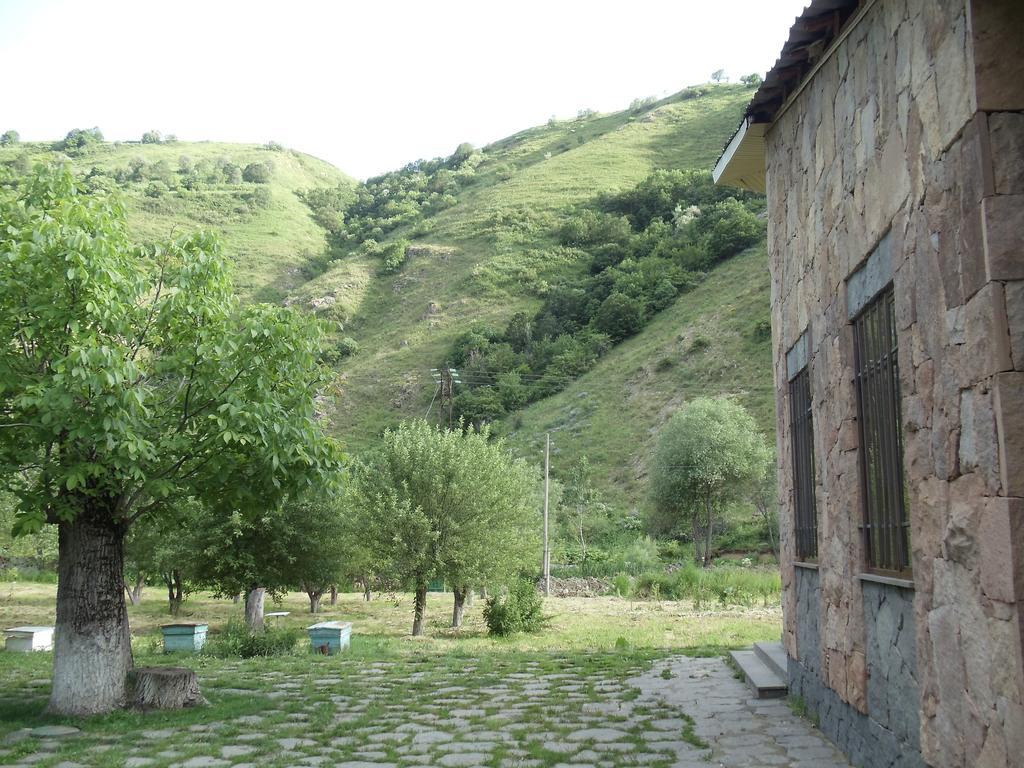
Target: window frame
x,y
804,467
885,520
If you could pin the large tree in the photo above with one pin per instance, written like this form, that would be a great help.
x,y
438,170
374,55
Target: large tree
x,y
130,375
709,454
446,504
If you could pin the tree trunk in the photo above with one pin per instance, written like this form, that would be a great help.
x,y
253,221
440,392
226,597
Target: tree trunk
x,y
367,592
174,591
165,688
254,608
315,597
698,556
135,590
460,606
236,598
709,533
334,594
92,645
469,597
420,610
583,541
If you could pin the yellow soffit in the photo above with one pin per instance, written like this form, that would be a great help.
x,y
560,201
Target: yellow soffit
x,y
743,162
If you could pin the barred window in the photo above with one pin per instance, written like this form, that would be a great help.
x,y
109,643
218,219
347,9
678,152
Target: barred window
x,y
802,440
886,526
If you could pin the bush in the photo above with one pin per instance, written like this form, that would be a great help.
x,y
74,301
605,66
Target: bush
x,y
256,173
152,137
9,138
237,641
619,316
156,189
521,610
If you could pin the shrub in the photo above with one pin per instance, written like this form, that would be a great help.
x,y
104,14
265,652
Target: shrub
x,y
9,138
236,640
394,255
521,610
156,189
258,198
152,137
348,346
274,146
80,139
619,316
256,173
232,173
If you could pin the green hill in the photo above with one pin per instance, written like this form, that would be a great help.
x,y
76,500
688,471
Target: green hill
x,y
265,228
483,244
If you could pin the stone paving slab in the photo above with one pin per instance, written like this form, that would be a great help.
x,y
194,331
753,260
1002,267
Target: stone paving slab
x,y
680,713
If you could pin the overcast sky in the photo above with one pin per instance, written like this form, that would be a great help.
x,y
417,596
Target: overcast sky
x,y
368,86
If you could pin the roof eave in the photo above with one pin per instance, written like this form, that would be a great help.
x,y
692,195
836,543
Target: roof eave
x,y
742,164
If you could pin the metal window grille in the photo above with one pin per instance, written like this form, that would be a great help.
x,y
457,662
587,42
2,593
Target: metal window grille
x,y
886,528
802,440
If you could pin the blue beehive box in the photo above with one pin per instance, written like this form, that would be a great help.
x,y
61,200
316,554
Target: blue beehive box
x,y
184,637
330,637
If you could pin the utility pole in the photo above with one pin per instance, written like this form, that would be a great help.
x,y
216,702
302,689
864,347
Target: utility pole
x,y
547,547
446,378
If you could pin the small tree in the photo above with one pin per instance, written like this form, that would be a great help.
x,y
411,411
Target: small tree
x,y
318,536
580,497
9,138
443,504
167,548
133,376
752,80
152,137
708,455
718,75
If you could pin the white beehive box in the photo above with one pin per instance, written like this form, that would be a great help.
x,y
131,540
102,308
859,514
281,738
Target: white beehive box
x,y
25,639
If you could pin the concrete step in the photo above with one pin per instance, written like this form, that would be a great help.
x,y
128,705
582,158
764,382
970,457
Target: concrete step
x,y
774,655
761,678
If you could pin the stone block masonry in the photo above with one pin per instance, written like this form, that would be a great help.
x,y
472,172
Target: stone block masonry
x,y
909,139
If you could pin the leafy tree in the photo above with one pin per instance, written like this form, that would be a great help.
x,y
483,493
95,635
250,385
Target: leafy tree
x,y
580,497
78,140
444,504
752,80
134,376
708,455
718,75
317,535
256,173
166,547
9,138
152,137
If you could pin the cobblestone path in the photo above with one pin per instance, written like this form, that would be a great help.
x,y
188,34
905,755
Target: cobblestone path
x,y
561,712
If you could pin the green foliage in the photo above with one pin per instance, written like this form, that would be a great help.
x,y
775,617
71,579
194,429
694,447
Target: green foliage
x,y
619,316
709,454
78,140
520,610
152,137
393,255
9,138
444,504
135,373
752,80
257,173
726,585
236,640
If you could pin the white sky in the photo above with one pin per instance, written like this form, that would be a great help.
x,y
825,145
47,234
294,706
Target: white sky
x,y
368,86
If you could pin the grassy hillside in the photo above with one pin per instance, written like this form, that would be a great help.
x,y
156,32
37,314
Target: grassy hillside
x,y
269,237
493,254
711,341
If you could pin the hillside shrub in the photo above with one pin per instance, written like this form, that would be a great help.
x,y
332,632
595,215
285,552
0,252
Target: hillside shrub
x,y
152,137
78,140
9,138
256,173
520,610
619,316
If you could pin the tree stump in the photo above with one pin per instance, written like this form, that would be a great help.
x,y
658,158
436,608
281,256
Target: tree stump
x,y
165,688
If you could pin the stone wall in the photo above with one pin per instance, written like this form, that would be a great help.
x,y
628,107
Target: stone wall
x,y
913,129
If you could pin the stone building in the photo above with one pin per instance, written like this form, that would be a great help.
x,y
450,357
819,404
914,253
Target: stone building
x,y
889,139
